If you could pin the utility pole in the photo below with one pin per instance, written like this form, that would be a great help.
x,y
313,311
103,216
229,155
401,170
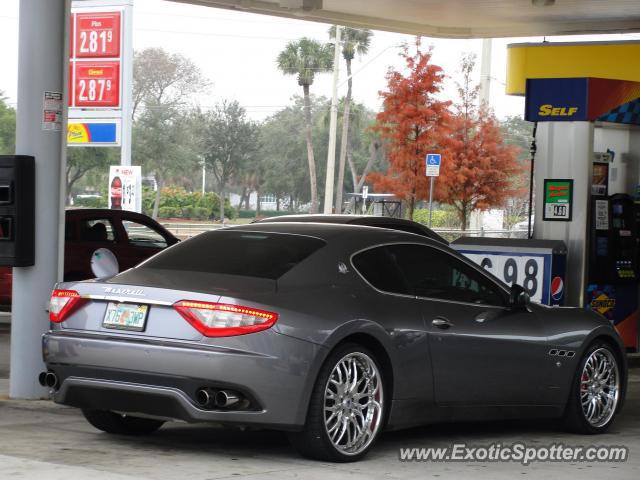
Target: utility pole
x,y
331,156
485,72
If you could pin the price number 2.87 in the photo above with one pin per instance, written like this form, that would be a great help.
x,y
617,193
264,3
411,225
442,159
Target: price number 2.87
x,y
93,90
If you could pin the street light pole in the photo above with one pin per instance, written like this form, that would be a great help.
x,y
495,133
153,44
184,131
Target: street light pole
x,y
331,156
485,73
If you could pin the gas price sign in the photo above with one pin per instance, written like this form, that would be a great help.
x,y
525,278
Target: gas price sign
x,y
558,200
525,270
97,84
537,265
97,35
100,74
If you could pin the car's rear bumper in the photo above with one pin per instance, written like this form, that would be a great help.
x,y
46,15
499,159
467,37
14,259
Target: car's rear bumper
x,y
160,377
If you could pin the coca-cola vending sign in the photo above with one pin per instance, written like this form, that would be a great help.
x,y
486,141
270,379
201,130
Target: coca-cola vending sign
x,y
125,188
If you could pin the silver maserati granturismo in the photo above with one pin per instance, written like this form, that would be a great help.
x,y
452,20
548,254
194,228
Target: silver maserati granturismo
x,y
330,332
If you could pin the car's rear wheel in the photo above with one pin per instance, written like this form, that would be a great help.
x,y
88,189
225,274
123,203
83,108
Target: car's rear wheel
x,y
111,422
347,407
596,391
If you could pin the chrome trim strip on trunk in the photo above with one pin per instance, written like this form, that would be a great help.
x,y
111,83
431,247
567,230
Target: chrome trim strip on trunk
x,y
113,298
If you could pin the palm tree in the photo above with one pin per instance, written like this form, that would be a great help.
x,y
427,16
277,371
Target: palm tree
x,y
354,40
304,58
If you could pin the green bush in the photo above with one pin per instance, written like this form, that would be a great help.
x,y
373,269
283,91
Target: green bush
x,y
168,212
187,212
187,205
91,202
201,213
441,218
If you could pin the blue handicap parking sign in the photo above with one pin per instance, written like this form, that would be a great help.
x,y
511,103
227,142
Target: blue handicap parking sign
x,y
433,159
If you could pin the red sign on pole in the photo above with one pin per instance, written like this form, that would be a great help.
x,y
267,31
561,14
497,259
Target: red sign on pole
x,y
97,84
97,35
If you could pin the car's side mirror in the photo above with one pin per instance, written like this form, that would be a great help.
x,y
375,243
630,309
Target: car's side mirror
x,y
518,298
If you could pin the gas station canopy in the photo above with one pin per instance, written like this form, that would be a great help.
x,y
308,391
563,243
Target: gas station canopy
x,y
456,19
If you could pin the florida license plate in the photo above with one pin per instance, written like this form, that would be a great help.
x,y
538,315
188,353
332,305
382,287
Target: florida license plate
x,y
125,316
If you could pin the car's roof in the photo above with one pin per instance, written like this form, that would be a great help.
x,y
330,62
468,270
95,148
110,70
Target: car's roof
x,y
319,218
370,220
331,231
80,213
107,212
102,211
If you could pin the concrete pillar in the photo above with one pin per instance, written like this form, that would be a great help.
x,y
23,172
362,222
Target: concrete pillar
x,y
565,151
41,62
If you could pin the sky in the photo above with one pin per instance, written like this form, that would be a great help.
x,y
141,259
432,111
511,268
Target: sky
x,y
237,52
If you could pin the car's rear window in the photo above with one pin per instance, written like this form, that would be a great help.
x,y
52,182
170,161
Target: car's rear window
x,y
250,254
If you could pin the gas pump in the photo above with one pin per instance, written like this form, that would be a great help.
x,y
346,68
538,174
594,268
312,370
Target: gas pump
x,y
612,287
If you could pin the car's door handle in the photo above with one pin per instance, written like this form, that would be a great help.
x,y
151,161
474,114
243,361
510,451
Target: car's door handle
x,y
441,323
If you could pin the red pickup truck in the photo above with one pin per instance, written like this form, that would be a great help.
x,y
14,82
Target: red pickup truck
x,y
131,237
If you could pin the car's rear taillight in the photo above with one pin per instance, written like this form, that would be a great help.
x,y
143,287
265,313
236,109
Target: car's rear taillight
x,y
223,320
62,303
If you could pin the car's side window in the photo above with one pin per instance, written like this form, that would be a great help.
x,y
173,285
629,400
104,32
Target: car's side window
x,y
96,230
379,268
432,273
142,235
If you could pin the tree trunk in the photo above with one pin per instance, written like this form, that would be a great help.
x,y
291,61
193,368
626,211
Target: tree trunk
x,y
243,198
71,181
257,202
411,206
463,217
221,195
311,160
344,140
373,153
354,173
247,200
156,202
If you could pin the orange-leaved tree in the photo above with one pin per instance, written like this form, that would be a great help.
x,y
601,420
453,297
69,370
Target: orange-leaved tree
x,y
413,122
478,167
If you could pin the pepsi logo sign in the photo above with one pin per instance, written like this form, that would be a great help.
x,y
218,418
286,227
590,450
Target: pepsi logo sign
x,y
557,288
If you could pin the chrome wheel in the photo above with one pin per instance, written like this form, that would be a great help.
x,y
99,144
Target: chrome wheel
x,y
599,387
353,403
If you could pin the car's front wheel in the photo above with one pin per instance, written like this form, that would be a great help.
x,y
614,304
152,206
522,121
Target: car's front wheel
x,y
347,407
596,391
111,422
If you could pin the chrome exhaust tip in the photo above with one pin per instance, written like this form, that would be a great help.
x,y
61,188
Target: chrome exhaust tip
x,y
51,380
226,398
203,398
